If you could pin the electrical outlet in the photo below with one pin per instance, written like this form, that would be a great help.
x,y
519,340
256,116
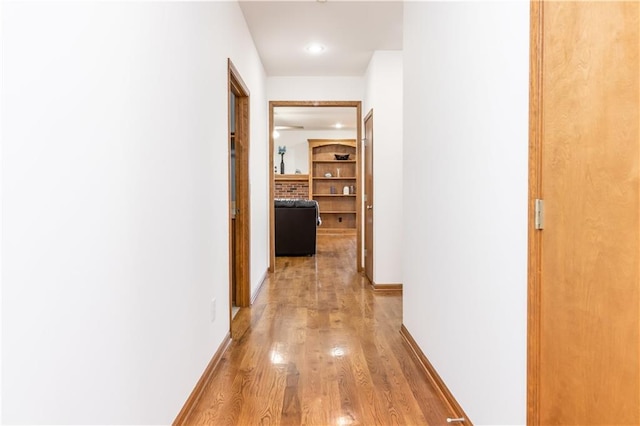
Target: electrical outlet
x,y
213,310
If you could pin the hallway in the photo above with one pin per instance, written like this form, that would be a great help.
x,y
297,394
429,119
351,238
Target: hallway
x,y
322,349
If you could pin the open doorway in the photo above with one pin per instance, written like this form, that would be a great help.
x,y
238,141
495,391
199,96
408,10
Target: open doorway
x,y
239,206
299,164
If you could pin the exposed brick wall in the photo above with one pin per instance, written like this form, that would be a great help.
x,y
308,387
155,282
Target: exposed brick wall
x,y
292,190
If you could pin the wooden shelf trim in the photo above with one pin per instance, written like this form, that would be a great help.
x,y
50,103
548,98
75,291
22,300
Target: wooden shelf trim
x,y
341,231
334,195
279,177
337,212
334,161
333,178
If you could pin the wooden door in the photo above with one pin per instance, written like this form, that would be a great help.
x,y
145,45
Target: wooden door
x,y
368,196
239,205
584,363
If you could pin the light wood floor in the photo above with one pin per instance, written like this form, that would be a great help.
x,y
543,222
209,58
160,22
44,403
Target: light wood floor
x,y
321,349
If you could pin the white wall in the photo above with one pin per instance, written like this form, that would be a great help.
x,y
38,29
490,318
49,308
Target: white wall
x,y
384,96
114,209
465,199
297,155
315,88
1,186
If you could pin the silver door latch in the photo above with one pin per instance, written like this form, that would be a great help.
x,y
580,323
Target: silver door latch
x,y
538,215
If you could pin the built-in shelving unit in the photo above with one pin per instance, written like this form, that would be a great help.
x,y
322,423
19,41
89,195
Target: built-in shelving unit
x,y
327,179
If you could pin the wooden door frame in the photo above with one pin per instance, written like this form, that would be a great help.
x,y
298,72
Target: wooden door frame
x,y
358,106
535,191
243,218
364,190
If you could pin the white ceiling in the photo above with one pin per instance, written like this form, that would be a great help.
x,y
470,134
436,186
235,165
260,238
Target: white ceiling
x,y
350,30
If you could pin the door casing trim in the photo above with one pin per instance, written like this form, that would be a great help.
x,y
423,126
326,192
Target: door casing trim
x,y
535,191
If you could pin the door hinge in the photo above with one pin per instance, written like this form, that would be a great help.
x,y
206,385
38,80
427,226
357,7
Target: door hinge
x,y
364,198
538,215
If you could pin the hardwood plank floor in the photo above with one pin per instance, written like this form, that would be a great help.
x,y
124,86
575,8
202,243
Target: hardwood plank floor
x,y
322,349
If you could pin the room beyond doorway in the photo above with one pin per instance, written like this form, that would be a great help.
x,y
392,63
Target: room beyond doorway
x,y
305,108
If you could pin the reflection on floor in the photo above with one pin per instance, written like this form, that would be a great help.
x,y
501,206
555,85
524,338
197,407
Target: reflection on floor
x,y
322,349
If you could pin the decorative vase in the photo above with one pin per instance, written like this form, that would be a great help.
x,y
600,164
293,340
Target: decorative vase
x,y
281,164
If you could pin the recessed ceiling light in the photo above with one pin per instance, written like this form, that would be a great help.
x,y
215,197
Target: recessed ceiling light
x,y
315,48
338,126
